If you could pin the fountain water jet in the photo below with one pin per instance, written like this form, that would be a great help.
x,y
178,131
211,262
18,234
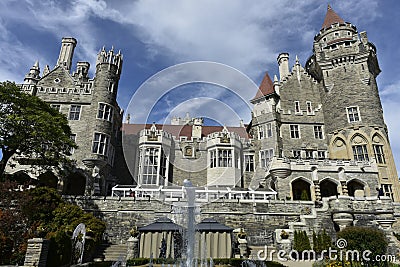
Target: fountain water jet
x,y
191,197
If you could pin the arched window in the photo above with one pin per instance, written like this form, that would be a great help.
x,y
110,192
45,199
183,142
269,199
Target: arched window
x,y
301,190
353,186
359,147
328,188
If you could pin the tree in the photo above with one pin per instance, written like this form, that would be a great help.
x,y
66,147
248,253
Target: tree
x,y
14,226
301,241
41,212
31,131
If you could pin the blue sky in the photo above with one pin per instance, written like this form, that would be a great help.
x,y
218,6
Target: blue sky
x,y
153,35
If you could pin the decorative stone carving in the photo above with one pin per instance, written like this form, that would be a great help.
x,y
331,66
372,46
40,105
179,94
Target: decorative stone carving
x,y
343,219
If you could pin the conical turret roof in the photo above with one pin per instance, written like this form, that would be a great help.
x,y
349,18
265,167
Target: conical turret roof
x,y
331,18
266,87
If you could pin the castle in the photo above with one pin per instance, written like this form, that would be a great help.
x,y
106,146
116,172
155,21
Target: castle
x,y
315,155
315,132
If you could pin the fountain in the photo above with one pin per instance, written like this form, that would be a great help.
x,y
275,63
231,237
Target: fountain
x,y
190,236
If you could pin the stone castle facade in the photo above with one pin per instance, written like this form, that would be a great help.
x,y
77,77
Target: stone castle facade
x,y
316,131
312,157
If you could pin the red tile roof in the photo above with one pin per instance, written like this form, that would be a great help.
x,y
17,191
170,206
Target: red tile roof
x,y
331,18
182,130
266,87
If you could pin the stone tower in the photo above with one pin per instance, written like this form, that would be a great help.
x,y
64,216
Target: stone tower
x,y
345,63
104,126
93,114
264,131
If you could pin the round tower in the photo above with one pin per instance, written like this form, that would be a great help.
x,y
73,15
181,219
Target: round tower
x,y
344,62
106,111
107,117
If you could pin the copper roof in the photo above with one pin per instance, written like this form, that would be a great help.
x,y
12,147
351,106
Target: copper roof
x,y
182,130
162,224
266,87
331,18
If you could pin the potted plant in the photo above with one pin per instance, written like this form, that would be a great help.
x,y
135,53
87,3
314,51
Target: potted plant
x,y
284,234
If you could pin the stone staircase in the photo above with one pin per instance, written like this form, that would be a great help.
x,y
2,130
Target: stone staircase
x,y
111,252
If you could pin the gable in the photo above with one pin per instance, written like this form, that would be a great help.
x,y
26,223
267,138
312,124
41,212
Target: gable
x,y
58,77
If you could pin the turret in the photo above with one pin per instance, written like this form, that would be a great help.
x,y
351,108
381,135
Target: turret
x,y
109,57
283,62
347,66
66,53
108,70
33,76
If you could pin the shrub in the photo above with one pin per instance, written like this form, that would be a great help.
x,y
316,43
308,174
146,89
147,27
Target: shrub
x,y
321,241
301,241
59,249
363,238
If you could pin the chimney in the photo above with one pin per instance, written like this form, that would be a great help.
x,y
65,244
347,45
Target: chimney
x,y
283,62
82,69
66,53
197,127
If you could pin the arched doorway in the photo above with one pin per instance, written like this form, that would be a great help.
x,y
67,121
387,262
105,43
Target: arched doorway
x,y
301,190
75,184
48,179
328,188
20,177
354,185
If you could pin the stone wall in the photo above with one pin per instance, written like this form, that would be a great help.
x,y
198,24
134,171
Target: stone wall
x,y
259,219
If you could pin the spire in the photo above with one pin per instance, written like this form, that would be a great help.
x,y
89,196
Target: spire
x,y
46,70
266,87
331,18
33,76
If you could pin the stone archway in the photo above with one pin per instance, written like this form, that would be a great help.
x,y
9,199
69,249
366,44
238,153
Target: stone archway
x,y
75,184
328,188
301,190
353,186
